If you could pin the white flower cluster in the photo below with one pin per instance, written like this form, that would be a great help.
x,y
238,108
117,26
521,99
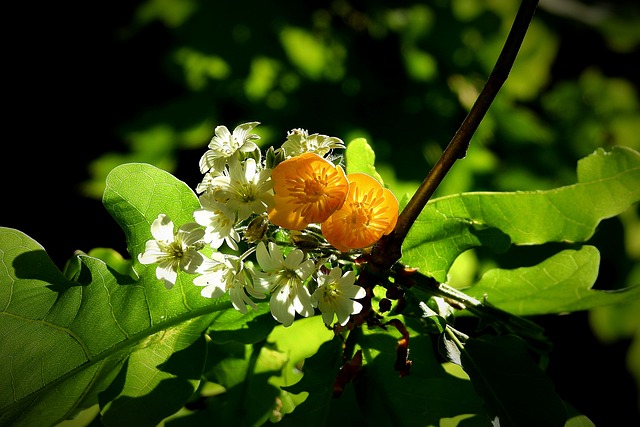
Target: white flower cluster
x,y
235,195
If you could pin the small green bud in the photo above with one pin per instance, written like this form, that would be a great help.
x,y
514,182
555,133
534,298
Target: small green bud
x,y
270,158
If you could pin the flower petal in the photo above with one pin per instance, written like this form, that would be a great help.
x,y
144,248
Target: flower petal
x,y
308,189
281,308
368,213
162,228
167,274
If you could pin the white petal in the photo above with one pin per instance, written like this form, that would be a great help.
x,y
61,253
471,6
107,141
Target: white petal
x,y
211,292
327,317
336,273
240,300
162,228
191,261
206,161
222,134
168,275
248,146
190,233
203,216
280,306
263,257
261,282
152,253
276,256
294,259
306,269
250,169
302,301
213,239
353,291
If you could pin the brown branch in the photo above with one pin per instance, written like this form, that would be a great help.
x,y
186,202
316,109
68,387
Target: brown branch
x,y
389,249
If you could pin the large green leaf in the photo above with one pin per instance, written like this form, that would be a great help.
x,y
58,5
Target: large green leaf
x,y
561,283
67,341
136,193
255,377
247,397
320,372
427,396
103,337
608,184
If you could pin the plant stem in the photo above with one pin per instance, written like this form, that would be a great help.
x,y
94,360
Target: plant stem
x,y
389,249
499,319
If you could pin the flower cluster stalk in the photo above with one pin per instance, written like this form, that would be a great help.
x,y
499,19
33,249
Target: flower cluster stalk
x,y
389,249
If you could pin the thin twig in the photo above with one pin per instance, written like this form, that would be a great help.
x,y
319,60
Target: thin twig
x,y
499,319
389,249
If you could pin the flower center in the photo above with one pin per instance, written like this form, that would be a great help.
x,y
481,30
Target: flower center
x,y
314,189
247,193
360,215
174,250
330,293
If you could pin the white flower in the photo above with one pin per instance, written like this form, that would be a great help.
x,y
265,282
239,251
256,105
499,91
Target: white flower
x,y
218,220
222,273
334,296
207,183
173,252
247,189
284,278
299,142
225,145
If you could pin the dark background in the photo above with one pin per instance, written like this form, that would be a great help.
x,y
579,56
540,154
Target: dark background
x,y
72,83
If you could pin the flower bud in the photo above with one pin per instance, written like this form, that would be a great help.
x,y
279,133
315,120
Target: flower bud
x,y
256,229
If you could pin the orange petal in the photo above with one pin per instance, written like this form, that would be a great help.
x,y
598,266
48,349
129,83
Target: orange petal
x,y
369,212
308,189
282,216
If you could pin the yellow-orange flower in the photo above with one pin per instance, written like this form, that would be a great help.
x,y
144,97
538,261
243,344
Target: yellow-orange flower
x,y
369,212
308,189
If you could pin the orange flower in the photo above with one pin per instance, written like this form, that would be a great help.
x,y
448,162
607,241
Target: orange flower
x,y
308,189
369,212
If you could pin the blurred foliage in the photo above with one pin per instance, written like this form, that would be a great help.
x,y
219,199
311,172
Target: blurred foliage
x,y
403,75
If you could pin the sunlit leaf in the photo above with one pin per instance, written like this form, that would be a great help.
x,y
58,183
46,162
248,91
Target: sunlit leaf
x,y
68,341
360,157
104,336
113,259
424,397
320,373
248,398
561,283
247,328
607,185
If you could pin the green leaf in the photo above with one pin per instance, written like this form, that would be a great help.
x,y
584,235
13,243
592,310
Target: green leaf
x,y
320,372
157,377
514,389
360,157
424,397
248,398
113,259
249,328
607,185
104,336
67,341
136,193
256,376
561,283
